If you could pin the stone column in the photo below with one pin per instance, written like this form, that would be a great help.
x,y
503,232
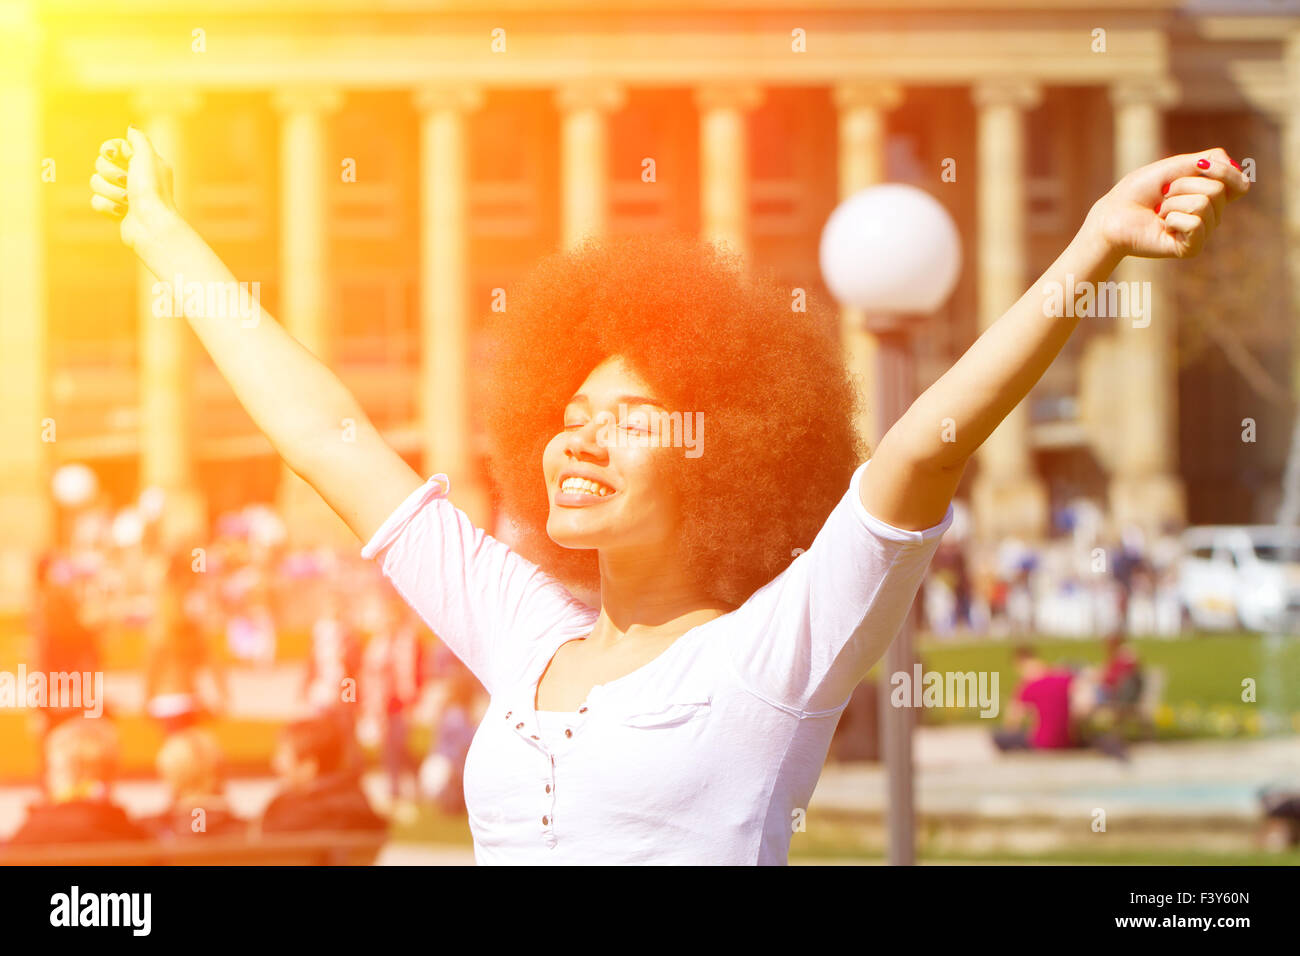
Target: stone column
x,y
1008,498
305,304
862,140
26,511
444,307
166,364
1145,489
724,163
584,144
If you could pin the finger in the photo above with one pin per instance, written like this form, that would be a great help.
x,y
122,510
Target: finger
x,y
107,206
1191,229
1196,204
1217,164
1209,164
1216,190
110,171
116,151
103,187
138,142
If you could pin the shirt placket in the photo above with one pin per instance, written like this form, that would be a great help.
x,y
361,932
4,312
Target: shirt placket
x,y
523,721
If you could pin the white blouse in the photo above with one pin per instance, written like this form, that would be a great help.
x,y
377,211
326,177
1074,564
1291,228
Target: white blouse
x,y
703,755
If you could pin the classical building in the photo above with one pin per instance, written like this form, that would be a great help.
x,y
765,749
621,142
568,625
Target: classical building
x,y
380,170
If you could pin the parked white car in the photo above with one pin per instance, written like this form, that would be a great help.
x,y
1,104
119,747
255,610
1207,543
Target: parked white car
x,y
1244,576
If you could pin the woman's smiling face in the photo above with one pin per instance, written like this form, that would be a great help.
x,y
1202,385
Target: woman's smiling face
x,y
608,436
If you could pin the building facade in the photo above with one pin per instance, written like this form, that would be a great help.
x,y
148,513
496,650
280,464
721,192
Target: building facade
x,y
383,173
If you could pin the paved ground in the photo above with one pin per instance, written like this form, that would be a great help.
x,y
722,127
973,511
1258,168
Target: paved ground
x,y
958,769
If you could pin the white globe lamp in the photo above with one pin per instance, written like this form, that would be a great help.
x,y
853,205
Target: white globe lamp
x,y
891,250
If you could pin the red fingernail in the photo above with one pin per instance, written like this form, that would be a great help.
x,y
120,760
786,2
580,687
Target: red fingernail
x,y
1235,164
1165,191
1158,205
1203,164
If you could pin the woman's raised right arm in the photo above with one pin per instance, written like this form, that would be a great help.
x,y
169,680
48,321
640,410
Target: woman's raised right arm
x,y
314,423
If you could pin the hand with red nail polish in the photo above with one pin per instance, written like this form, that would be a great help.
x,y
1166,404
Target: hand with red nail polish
x,y
133,185
1196,187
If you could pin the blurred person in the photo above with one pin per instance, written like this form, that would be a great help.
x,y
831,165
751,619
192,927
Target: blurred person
x,y
63,641
396,669
1044,696
708,632
317,790
177,657
982,588
189,762
940,600
1169,602
1020,603
81,759
1281,806
334,657
1117,696
250,631
964,590
1120,682
442,773
1141,615
1128,566
946,591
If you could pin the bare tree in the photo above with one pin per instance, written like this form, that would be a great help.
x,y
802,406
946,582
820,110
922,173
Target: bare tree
x,y
1230,302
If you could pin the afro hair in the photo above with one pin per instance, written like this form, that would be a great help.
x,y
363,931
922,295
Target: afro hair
x,y
770,381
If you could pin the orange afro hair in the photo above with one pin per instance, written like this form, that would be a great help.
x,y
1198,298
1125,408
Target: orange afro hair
x,y
777,401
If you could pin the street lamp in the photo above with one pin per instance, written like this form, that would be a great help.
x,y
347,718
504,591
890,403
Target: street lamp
x,y
892,251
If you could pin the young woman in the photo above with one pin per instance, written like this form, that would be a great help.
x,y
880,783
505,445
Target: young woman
x,y
685,719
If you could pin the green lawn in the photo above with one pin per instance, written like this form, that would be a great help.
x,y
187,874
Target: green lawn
x,y
1203,678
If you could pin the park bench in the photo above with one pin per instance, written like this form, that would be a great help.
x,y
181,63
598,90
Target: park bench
x,y
318,848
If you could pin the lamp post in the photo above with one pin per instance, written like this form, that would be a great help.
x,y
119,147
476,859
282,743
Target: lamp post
x,y
894,252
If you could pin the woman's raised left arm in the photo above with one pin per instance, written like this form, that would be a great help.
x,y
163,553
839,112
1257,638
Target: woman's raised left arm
x,y
1166,209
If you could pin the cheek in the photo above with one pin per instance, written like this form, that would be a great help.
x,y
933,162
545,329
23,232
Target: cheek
x,y
650,477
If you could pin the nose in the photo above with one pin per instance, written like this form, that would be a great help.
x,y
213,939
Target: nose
x,y
585,441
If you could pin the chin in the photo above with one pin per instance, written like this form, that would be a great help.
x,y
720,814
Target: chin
x,y
566,538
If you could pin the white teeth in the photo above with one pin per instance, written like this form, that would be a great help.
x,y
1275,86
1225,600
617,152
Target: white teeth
x,y
583,485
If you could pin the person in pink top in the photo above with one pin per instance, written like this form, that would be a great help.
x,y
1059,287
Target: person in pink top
x,y
1042,700
706,564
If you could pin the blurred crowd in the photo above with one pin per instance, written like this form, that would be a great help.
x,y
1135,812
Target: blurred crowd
x,y
318,787
368,673
1078,584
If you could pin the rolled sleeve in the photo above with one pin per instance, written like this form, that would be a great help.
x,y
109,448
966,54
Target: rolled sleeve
x,y
436,487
